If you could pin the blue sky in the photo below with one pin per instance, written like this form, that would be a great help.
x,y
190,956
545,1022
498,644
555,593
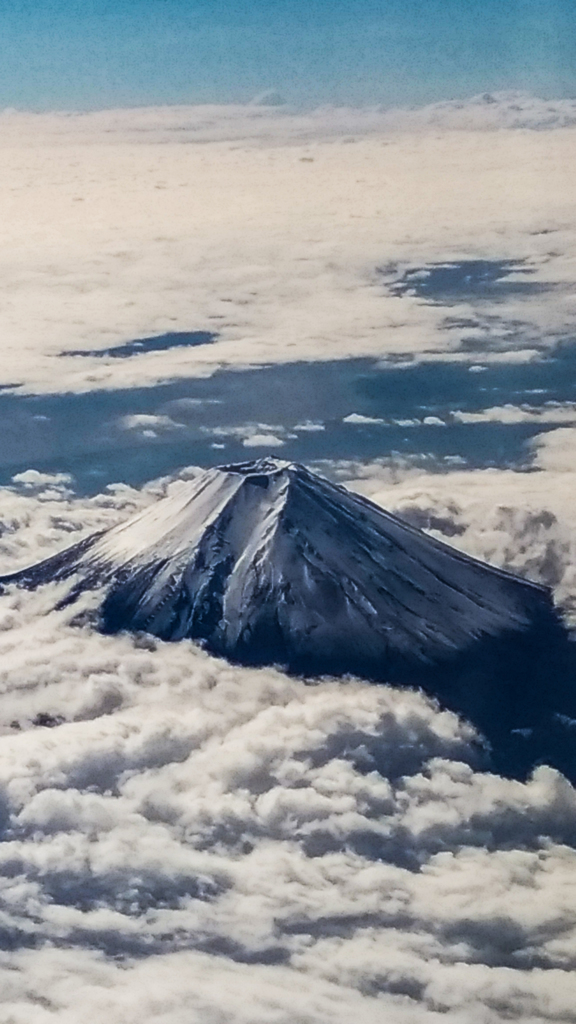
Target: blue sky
x,y
91,53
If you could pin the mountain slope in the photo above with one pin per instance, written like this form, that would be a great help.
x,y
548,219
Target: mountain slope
x,y
268,563
269,555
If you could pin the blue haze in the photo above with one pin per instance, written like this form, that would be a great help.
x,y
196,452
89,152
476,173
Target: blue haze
x,y
85,54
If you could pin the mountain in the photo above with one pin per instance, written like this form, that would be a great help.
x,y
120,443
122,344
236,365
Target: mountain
x,y
266,562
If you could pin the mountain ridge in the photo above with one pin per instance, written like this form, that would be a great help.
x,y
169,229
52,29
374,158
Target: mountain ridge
x,y
267,563
272,533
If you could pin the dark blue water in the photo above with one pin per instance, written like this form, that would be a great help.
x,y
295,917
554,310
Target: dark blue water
x,y
158,343
463,280
84,434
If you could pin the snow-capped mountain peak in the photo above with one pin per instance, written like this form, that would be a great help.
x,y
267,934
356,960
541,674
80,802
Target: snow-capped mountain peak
x,y
268,562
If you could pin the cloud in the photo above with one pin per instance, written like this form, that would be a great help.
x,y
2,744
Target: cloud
x,y
262,441
556,450
207,842
549,413
309,426
358,418
148,423
187,840
302,267
522,521
224,123
253,435
33,479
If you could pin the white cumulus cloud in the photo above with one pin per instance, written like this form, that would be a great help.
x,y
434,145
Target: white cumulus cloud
x,y
187,840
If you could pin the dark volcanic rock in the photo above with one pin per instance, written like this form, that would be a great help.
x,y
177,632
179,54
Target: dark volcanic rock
x,y
266,562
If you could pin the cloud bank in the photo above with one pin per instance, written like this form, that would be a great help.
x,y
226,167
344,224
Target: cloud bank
x,y
523,521
183,840
282,233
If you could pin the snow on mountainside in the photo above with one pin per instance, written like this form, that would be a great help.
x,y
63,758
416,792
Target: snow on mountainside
x,y
268,561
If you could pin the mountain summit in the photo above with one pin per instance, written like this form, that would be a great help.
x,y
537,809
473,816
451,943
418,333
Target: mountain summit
x,y
267,558
268,563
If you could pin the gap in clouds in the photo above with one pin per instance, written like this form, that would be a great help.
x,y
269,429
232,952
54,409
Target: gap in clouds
x,y
157,343
465,280
442,413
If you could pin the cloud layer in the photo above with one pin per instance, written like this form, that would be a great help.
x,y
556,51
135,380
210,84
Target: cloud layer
x,y
183,840
282,233
522,521
186,841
